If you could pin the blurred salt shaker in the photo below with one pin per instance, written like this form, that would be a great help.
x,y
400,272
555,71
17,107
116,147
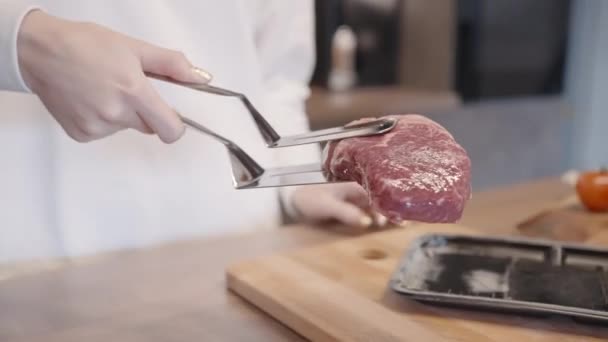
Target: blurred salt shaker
x,y
343,75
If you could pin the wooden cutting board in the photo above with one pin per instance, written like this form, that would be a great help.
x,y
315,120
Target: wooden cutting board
x,y
567,220
338,292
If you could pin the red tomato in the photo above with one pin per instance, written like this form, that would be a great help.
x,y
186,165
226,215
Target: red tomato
x,y
592,189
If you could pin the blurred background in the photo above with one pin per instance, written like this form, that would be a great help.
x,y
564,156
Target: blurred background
x,y
522,85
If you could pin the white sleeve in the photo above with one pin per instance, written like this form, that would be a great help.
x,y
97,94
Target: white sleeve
x,y
285,43
11,16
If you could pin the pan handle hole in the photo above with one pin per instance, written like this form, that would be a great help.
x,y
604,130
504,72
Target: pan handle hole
x,y
373,254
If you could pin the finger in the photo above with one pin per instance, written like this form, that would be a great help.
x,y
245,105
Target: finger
x,y
127,120
92,131
379,219
404,223
134,121
346,213
170,63
157,115
72,130
140,125
355,194
94,128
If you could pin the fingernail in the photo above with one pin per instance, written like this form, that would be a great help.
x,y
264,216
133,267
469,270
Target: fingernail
x,y
404,223
365,221
202,75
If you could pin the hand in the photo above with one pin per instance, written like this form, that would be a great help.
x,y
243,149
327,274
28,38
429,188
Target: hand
x,y
344,202
92,79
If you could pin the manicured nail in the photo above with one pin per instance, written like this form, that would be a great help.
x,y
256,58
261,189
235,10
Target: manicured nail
x,y
202,75
366,221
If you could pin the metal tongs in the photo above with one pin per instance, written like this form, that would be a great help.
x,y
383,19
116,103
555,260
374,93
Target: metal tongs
x,y
247,173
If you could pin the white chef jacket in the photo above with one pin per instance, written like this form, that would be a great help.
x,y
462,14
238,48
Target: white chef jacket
x,y
63,198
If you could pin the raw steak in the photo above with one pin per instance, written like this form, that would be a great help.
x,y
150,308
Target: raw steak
x,y
416,172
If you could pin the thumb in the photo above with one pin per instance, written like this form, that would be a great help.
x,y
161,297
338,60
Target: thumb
x,y
170,63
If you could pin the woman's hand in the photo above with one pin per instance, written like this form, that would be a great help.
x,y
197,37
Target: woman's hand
x,y
344,202
92,79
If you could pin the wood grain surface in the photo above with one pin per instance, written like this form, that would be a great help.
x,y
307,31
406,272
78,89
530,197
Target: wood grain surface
x,y
177,292
339,292
566,220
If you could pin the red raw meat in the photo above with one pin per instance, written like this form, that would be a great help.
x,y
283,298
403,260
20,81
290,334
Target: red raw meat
x,y
416,172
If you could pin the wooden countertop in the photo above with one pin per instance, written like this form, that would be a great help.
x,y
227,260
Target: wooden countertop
x,y
177,292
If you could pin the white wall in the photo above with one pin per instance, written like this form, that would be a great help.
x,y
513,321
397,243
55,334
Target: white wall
x,y
587,82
